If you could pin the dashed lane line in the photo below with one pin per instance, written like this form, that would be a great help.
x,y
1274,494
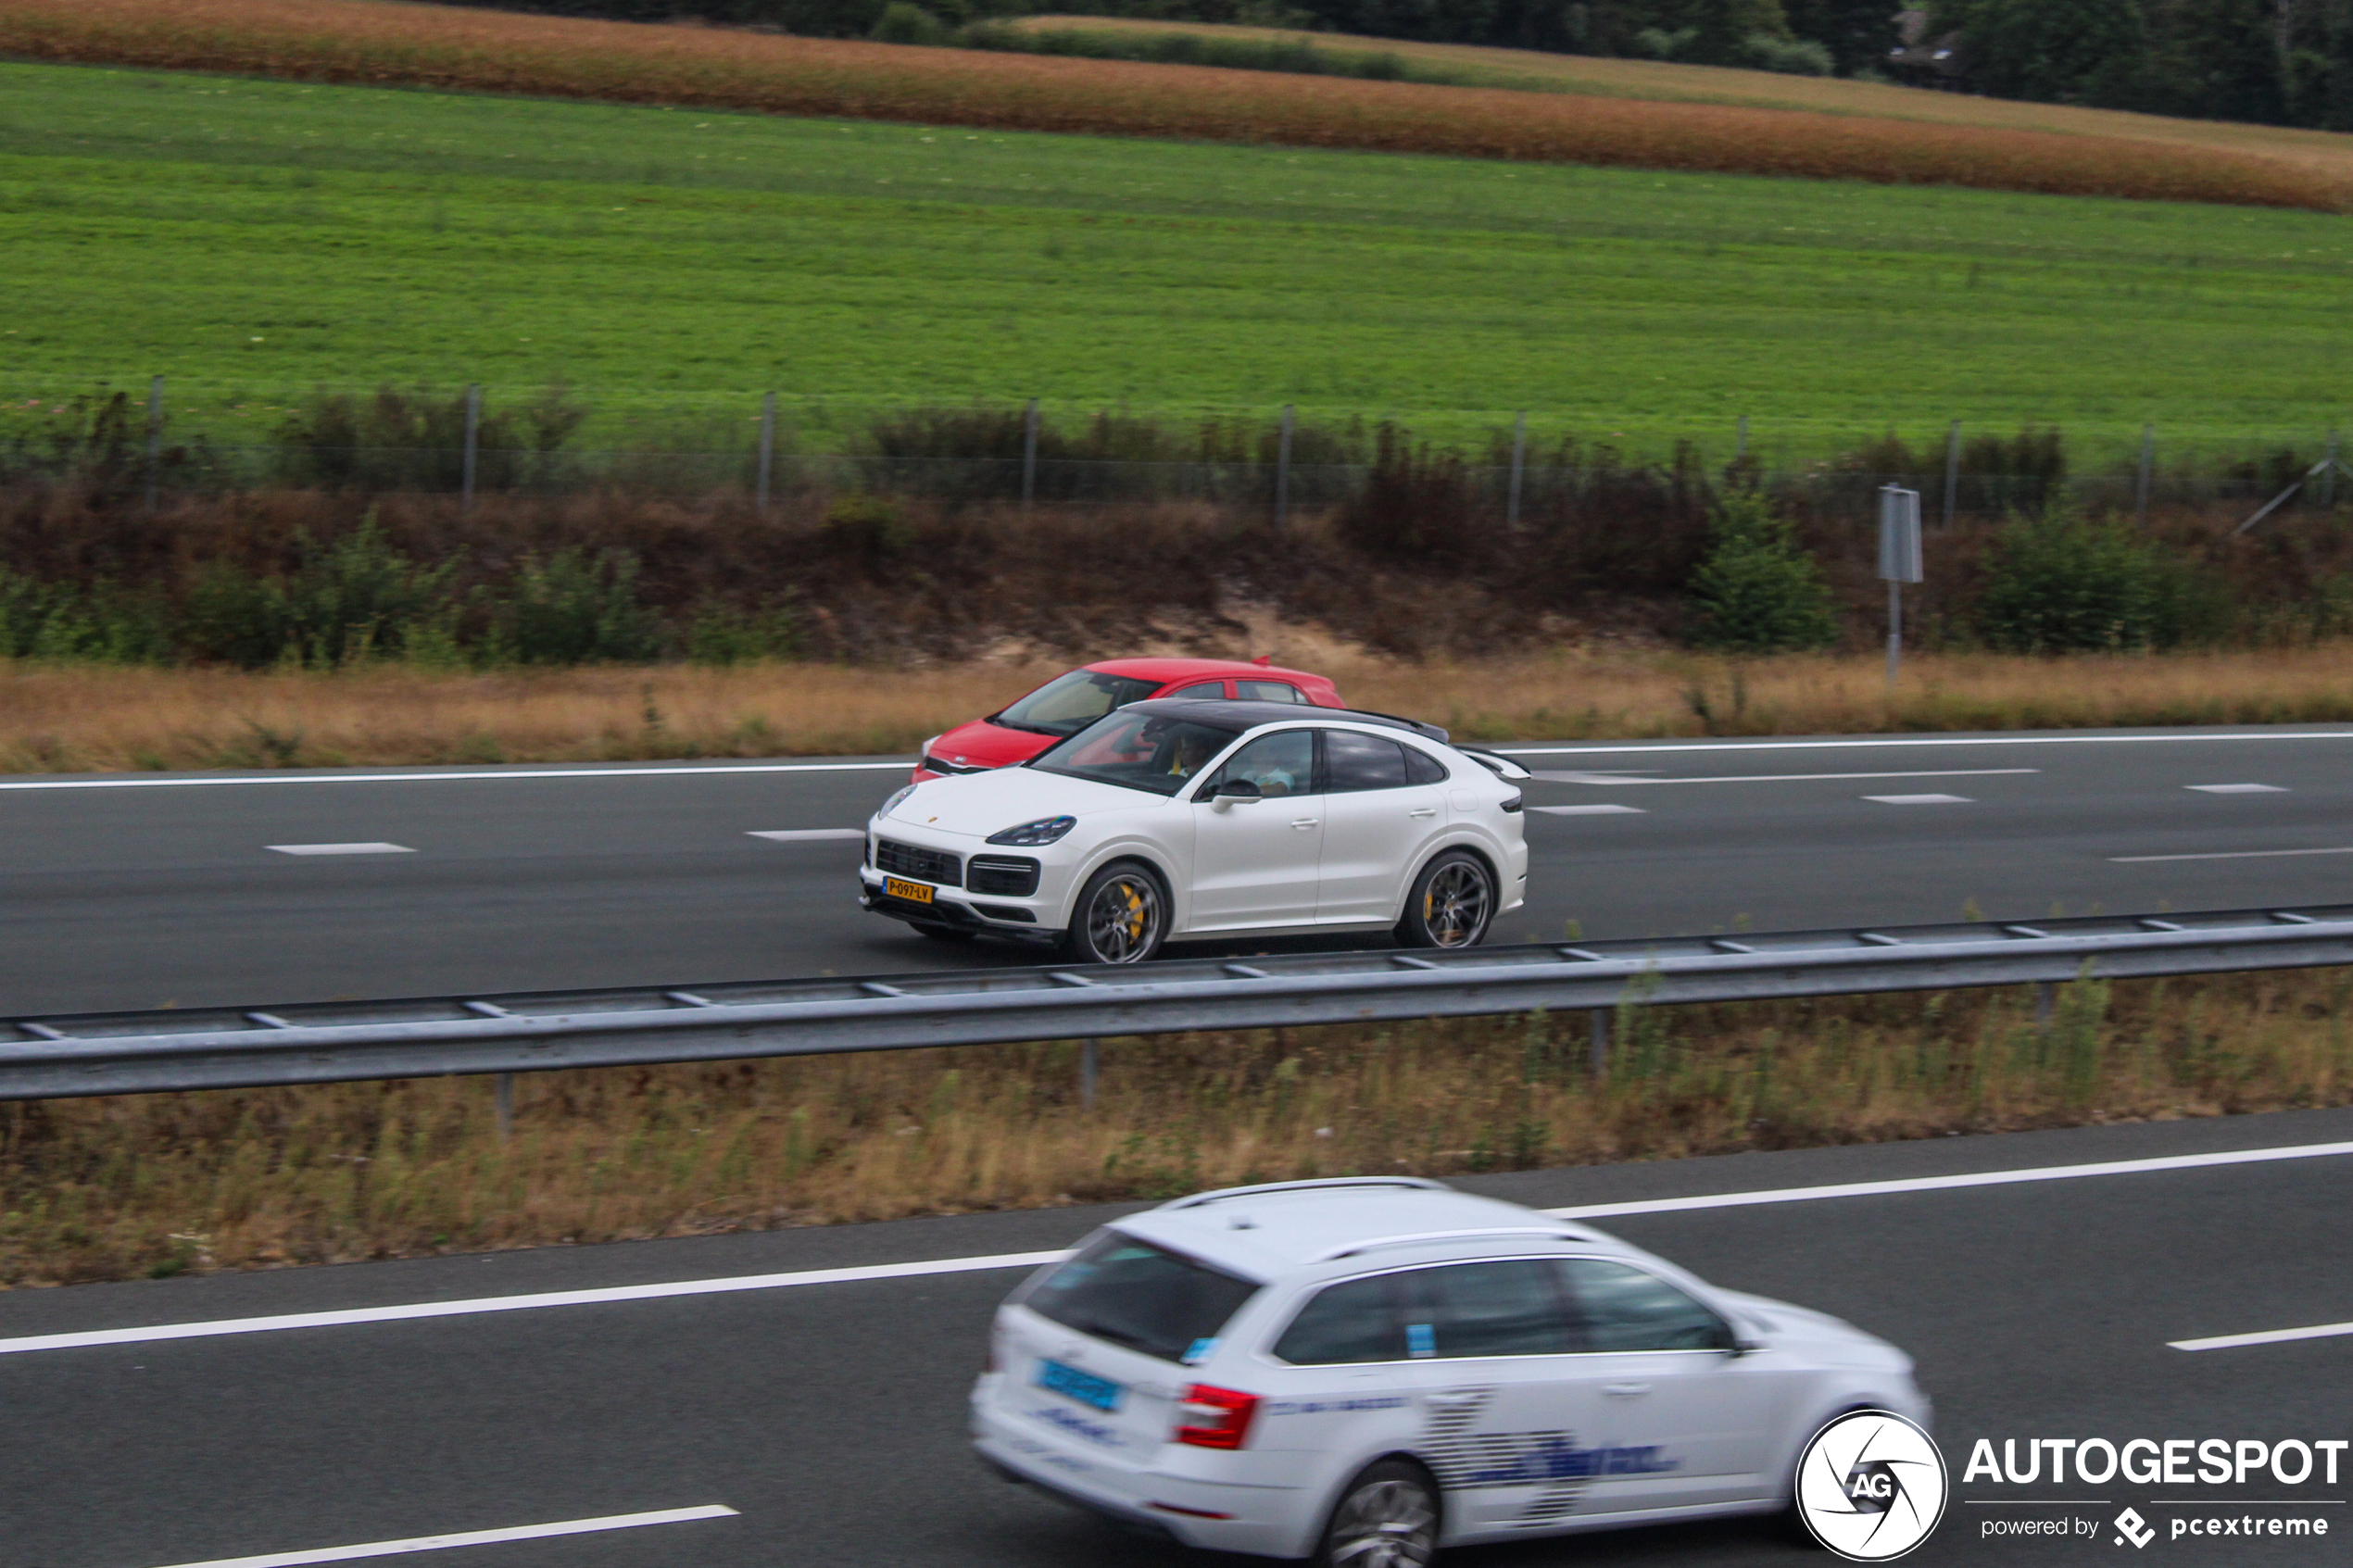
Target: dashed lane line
x,y
1920,800
1779,778
2225,855
2271,1337
805,836
1612,810
2238,789
414,1310
1860,742
374,848
471,1537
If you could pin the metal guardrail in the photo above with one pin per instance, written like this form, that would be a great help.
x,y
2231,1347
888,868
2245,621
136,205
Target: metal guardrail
x,y
330,1042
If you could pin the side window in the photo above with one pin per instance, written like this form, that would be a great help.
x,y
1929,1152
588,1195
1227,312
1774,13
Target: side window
x,y
1267,691
1204,690
1421,768
1355,1321
1282,764
1363,761
1503,1309
1624,1309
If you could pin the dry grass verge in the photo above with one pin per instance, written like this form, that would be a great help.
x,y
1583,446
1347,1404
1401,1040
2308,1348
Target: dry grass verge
x,y
91,718
114,1188
373,43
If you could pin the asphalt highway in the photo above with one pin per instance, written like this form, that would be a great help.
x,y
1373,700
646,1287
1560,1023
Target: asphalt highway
x,y
150,890
821,1424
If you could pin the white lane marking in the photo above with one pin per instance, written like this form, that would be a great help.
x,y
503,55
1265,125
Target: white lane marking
x,y
2273,1336
463,778
804,836
1780,778
378,849
1920,799
2225,855
520,1303
1945,1183
1032,1259
1588,810
2013,739
472,1537
2237,789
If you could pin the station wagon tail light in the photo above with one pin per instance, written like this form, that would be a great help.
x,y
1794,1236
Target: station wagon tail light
x,y
1215,1418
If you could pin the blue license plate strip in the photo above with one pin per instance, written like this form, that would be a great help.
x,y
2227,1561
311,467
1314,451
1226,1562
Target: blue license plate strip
x,y
1098,1393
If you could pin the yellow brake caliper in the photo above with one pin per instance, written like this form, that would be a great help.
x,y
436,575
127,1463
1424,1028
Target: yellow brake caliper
x,y
1135,913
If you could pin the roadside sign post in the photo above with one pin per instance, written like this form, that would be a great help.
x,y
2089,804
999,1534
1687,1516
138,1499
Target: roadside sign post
x,y
1899,561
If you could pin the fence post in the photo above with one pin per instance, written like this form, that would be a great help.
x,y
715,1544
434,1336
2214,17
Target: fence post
x,y
1089,1072
1899,562
1029,456
473,433
154,438
1519,465
506,1095
1282,472
1740,448
2141,488
1597,1048
2328,475
767,446
1952,469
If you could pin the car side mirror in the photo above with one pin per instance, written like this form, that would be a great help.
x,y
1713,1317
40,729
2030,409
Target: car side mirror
x,y
1230,791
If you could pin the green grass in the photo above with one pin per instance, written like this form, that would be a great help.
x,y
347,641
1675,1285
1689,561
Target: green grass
x,y
251,239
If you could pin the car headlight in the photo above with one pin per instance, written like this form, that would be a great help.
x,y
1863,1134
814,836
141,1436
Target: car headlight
x,y
892,804
1045,830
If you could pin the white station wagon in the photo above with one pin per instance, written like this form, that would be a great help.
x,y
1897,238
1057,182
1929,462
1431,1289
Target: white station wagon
x,y
1178,818
1364,1371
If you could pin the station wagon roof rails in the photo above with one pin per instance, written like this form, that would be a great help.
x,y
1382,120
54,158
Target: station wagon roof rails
x,y
1549,1233
1199,1199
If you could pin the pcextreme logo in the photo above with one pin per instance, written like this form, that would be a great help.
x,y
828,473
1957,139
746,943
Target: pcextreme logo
x,y
1872,1486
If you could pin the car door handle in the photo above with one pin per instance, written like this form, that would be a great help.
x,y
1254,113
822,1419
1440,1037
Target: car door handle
x,y
1626,1391
1305,821
1423,811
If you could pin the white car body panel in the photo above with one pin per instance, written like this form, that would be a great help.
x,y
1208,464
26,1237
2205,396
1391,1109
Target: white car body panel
x,y
1343,859
1521,1445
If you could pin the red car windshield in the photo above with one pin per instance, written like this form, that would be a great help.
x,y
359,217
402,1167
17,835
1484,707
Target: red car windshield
x,y
1067,703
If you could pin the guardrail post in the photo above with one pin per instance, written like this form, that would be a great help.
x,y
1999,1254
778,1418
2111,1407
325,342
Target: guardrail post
x,y
506,1106
1089,1072
155,439
473,435
1597,1050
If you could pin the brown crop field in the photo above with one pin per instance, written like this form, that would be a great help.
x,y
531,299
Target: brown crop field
x,y
378,43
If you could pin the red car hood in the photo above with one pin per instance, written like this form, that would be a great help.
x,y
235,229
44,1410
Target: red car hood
x,y
983,744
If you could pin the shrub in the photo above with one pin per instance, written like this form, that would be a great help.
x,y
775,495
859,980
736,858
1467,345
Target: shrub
x,y
2060,583
348,600
1757,592
576,609
395,440
903,24
1417,502
1791,56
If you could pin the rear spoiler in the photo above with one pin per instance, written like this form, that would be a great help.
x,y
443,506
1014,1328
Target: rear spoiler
x,y
1502,767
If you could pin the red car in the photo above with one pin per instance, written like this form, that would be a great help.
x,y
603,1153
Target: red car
x,y
1069,703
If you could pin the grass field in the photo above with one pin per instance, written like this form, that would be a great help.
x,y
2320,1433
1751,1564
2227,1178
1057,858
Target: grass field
x,y
159,1184
1590,76
251,239
69,719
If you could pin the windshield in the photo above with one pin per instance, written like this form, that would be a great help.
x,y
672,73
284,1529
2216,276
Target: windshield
x,y
1067,703
1137,750
1134,1294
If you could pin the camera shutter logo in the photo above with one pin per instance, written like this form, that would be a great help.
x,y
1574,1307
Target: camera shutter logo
x,y
1872,1486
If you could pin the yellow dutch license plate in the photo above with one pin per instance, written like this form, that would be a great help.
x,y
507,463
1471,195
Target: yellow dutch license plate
x,y
916,891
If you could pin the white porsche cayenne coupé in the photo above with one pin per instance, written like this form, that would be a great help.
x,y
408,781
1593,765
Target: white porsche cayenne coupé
x,y
1181,819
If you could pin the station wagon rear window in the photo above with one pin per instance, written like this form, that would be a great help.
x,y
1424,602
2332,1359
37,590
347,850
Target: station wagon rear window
x,y
1140,1296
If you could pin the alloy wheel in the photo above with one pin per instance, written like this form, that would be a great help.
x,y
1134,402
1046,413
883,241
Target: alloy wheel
x,y
1123,918
1386,1522
1455,905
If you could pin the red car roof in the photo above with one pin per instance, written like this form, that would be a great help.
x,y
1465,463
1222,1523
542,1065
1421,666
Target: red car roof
x,y
1165,670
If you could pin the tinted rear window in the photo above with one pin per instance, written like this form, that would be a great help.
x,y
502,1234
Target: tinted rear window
x,y
1355,1321
1140,1296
